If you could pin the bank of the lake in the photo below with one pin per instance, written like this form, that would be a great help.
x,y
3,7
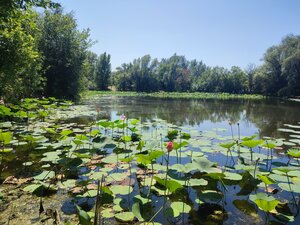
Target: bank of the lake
x,y
162,94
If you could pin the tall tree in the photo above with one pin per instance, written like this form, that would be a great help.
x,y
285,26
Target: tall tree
x,y
291,70
250,71
279,63
103,71
64,49
89,70
20,60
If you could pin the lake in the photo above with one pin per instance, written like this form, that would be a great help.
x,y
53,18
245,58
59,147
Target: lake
x,y
218,172
263,117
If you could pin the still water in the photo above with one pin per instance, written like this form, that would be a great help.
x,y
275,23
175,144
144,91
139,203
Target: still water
x,y
262,117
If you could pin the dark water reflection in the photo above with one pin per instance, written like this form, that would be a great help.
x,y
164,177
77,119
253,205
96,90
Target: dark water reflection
x,y
252,115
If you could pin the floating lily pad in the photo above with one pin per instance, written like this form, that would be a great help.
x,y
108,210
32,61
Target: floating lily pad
x,y
232,176
125,216
197,182
121,189
180,207
44,175
107,213
264,202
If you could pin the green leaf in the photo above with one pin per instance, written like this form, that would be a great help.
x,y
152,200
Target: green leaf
x,y
294,152
127,160
252,143
203,165
116,177
136,210
121,189
171,185
155,154
180,207
284,169
104,123
267,180
140,145
197,182
5,137
126,138
232,176
84,218
227,145
125,216
45,175
249,138
264,202
143,159
6,150
32,187
180,145
185,136
65,133
269,145
134,121
107,213
290,187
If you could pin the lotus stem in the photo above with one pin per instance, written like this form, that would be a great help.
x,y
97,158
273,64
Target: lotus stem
x,y
155,215
239,134
165,198
255,167
151,180
292,192
180,146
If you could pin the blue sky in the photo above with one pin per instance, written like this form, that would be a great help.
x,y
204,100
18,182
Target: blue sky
x,y
218,32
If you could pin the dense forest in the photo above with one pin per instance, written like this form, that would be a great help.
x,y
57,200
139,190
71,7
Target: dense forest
x,y
45,54
279,75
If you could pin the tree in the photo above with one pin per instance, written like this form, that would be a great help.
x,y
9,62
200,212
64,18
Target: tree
x,y
103,71
250,71
122,78
64,49
281,66
291,70
89,70
20,60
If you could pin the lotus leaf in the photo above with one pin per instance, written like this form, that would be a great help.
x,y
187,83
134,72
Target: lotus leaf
x,y
180,207
125,216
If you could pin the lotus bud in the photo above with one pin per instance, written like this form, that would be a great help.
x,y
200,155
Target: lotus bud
x,y
170,146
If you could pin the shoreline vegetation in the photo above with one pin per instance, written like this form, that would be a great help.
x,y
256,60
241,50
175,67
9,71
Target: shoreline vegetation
x,y
162,94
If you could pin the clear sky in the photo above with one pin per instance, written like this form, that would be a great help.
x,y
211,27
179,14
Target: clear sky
x,y
218,32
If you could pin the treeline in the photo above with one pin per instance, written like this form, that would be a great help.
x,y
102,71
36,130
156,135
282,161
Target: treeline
x,y
278,76
45,54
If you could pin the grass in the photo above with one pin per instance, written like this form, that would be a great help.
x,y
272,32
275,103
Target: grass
x,y
189,95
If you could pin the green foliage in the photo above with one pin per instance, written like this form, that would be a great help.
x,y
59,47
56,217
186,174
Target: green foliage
x,y
279,75
264,202
20,59
294,152
64,48
103,71
171,185
83,217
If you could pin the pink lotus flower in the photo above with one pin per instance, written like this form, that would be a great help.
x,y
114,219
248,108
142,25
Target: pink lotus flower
x,y
170,146
123,117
